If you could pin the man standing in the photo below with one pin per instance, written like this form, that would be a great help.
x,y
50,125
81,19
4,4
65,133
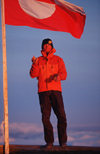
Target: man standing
x,y
50,70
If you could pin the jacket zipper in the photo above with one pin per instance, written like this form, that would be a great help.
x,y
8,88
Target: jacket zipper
x,y
46,74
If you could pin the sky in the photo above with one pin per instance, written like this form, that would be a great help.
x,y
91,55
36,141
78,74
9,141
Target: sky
x,y
81,90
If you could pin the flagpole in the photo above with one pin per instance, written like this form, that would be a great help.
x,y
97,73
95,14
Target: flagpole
x,y
5,87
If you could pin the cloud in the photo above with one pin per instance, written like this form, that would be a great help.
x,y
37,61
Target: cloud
x,y
30,133
25,132
80,128
1,139
84,137
22,131
25,127
70,138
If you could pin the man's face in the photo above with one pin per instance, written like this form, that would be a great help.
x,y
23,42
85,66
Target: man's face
x,y
47,48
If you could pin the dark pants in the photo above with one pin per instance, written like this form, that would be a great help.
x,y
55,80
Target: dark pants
x,y
53,99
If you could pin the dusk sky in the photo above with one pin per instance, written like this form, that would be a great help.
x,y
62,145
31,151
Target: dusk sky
x,y
81,90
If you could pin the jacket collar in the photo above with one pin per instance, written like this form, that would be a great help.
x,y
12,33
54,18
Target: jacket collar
x,y
50,53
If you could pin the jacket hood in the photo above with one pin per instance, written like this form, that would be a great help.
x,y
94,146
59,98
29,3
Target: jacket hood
x,y
50,53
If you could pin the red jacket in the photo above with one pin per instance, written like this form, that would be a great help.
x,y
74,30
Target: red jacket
x,y
46,68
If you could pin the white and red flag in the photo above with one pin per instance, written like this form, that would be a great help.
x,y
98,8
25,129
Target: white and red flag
x,y
56,15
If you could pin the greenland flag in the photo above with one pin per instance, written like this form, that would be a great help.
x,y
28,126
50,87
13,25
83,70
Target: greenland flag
x,y
55,15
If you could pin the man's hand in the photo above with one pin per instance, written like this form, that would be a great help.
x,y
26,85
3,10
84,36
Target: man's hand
x,y
34,59
56,78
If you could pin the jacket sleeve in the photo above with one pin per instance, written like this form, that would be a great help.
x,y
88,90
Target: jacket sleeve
x,y
62,70
34,71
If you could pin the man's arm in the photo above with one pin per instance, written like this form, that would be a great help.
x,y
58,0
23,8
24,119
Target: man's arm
x,y
62,73
34,71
